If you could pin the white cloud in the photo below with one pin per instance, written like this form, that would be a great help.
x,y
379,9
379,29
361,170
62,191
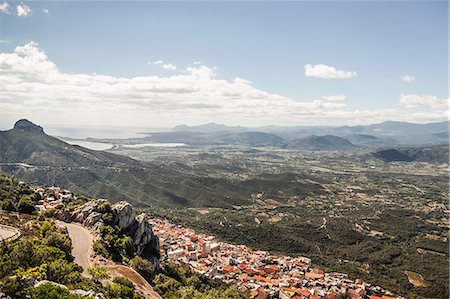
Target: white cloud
x,y
339,97
197,62
169,67
45,10
327,72
156,62
423,101
407,78
23,10
34,87
4,8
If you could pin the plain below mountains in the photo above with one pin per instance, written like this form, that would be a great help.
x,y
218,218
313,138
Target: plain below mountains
x,y
50,161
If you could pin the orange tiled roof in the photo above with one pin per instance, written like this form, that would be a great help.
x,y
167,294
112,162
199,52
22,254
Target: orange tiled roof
x,y
314,275
290,291
305,292
253,293
331,295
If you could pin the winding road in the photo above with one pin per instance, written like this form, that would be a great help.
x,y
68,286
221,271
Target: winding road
x,y
8,232
82,240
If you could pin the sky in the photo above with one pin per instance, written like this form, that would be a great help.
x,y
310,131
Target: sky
x,y
161,64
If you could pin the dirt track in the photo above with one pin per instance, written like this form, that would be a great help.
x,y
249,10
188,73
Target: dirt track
x,y
140,283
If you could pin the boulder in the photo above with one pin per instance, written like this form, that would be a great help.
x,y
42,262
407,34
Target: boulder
x,y
124,214
63,215
81,213
97,225
92,219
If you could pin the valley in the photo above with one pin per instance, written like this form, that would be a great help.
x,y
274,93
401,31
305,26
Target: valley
x,y
354,211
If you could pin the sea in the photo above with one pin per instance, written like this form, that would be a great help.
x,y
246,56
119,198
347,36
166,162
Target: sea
x,y
77,136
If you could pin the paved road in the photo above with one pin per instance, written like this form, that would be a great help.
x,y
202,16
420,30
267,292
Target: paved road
x,y
82,240
81,243
6,233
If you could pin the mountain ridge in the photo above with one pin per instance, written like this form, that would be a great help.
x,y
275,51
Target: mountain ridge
x,y
389,132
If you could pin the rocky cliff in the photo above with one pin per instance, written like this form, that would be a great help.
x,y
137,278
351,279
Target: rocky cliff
x,y
24,125
146,243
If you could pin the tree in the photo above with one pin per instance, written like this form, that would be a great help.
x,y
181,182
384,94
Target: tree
x,y
25,205
8,205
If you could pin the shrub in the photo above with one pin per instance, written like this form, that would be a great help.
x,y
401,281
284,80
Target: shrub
x,y
14,286
49,291
123,281
98,272
62,271
143,266
45,227
100,249
59,241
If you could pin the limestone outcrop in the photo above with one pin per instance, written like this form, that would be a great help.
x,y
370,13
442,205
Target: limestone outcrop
x,y
93,213
124,214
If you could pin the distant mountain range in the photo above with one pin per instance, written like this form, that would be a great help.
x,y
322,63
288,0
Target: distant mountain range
x,y
312,138
388,133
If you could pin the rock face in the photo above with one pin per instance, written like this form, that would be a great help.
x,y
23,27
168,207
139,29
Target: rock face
x,y
92,219
124,214
25,125
146,243
82,213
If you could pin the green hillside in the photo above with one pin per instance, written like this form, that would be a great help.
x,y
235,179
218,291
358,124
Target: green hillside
x,y
432,154
322,143
115,177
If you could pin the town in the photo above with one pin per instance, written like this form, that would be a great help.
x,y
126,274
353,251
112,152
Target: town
x,y
51,198
261,274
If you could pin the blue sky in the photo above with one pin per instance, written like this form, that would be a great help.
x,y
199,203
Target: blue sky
x,y
267,43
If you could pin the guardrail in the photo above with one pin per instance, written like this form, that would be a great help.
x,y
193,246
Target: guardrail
x,y
13,237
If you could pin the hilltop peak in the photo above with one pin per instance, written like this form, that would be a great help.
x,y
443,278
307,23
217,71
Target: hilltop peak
x,y
25,125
